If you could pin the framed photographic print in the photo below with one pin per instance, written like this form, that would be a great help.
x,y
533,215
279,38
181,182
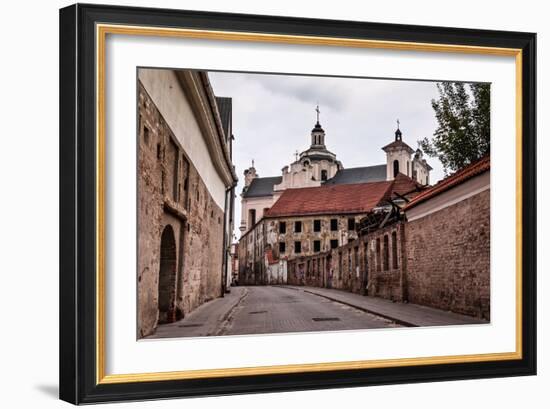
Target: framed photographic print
x,y
258,203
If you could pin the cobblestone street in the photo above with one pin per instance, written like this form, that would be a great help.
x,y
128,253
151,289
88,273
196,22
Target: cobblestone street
x,y
268,310
278,309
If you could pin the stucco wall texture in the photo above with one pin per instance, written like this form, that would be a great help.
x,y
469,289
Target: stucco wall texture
x,y
172,195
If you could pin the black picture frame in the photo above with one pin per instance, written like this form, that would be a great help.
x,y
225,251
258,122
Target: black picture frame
x,y
78,236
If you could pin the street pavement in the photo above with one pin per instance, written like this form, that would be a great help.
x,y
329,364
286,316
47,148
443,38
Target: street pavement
x,y
406,314
269,310
277,309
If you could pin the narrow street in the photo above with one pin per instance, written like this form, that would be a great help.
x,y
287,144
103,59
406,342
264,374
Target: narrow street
x,y
269,310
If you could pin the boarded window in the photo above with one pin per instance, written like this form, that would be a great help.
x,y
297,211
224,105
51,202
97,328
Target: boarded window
x,y
394,250
377,255
251,217
146,135
282,227
386,252
333,224
297,246
317,246
356,261
175,191
316,225
339,264
297,227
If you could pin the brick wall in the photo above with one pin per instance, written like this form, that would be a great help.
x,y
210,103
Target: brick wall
x,y
448,256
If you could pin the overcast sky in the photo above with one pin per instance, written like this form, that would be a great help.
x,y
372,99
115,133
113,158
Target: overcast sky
x,y
273,116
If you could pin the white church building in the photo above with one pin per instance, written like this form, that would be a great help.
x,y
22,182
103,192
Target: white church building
x,y
318,166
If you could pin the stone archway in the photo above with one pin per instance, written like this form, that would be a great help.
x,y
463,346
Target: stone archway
x,y
167,276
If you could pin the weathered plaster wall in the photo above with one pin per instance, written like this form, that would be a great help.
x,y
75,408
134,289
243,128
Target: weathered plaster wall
x,y
171,192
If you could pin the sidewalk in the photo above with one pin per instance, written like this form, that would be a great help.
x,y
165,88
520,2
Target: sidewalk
x,y
205,320
410,315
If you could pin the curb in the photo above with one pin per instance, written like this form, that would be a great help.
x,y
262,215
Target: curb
x,y
226,318
388,317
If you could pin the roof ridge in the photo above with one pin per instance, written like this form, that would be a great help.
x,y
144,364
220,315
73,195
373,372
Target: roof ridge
x,y
460,176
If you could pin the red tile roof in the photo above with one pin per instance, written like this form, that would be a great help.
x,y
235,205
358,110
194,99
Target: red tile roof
x,y
339,199
457,178
404,185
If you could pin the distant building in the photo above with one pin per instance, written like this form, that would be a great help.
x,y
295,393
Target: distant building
x,y
316,205
234,263
317,166
185,195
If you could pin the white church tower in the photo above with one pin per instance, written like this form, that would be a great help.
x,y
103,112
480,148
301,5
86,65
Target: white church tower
x,y
399,160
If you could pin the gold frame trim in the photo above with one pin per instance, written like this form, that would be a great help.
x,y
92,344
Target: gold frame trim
x,y
101,32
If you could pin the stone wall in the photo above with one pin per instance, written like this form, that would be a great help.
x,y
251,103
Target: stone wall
x,y
358,267
173,198
448,256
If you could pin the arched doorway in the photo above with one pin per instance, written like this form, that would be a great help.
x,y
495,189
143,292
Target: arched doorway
x,y
167,276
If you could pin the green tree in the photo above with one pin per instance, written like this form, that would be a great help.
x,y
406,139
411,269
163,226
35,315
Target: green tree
x,y
463,132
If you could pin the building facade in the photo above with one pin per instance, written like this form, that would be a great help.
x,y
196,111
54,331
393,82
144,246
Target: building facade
x,y
309,221
185,182
316,204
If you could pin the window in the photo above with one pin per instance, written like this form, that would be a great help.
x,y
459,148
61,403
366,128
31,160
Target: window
x,y
351,223
339,264
159,151
394,249
408,168
316,225
378,264
282,227
333,224
297,247
366,260
350,267
146,135
386,252
395,167
282,247
317,246
324,175
356,260
251,217
297,227
333,244
175,190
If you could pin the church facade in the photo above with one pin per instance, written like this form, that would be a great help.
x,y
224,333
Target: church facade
x,y
316,204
